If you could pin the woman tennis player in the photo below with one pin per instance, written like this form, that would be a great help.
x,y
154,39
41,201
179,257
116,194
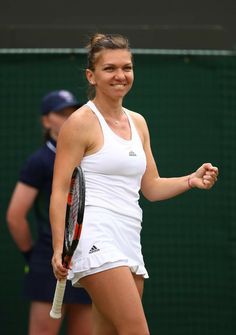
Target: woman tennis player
x,y
112,146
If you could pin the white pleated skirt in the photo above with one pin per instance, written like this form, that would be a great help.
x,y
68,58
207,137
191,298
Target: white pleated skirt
x,y
108,240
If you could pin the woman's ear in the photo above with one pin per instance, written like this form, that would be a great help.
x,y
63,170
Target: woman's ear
x,y
90,77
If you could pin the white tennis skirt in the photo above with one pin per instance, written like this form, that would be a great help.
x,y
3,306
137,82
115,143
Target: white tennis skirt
x,y
108,240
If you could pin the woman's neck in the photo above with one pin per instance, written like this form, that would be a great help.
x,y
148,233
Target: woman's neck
x,y
113,114
110,109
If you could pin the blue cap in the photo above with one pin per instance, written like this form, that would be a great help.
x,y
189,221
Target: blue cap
x,y
55,101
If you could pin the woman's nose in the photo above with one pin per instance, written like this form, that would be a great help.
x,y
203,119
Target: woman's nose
x,y
119,74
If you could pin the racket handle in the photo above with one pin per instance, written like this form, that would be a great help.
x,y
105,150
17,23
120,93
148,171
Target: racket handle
x,y
55,312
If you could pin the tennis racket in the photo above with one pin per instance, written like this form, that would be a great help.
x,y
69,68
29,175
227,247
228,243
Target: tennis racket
x,y
73,226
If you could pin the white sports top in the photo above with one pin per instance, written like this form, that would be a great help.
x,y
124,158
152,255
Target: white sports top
x,y
113,174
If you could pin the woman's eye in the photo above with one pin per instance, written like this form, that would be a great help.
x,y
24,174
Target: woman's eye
x,y
128,68
109,68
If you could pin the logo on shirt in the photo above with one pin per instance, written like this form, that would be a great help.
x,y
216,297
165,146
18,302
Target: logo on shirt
x,y
132,153
93,249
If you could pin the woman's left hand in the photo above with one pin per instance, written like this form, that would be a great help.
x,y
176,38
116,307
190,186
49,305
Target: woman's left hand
x,y
204,177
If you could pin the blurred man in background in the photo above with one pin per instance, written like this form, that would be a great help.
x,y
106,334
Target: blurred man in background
x,y
33,190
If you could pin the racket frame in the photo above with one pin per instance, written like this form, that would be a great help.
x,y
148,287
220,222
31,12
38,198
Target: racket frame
x,y
68,249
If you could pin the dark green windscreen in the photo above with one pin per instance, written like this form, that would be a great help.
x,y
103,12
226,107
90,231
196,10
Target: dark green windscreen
x,y
189,242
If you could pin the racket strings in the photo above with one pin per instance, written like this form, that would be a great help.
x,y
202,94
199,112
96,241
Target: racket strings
x,y
72,220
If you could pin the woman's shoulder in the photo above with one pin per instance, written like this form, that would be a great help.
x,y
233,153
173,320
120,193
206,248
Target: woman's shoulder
x,y
136,116
82,118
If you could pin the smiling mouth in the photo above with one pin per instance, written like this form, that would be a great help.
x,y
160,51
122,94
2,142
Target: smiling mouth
x,y
118,85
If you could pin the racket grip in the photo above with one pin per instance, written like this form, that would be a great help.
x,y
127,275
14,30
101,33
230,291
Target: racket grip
x,y
55,312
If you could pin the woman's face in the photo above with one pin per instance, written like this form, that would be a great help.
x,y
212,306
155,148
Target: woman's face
x,y
113,74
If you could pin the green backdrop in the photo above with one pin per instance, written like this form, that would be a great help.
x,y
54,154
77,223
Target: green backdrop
x,y
189,103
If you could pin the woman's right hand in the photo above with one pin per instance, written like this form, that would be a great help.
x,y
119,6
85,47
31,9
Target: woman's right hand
x,y
59,270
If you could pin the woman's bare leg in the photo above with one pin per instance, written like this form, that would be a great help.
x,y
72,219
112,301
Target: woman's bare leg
x,y
78,319
116,296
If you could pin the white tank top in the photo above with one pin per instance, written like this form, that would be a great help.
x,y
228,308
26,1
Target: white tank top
x,y
113,174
